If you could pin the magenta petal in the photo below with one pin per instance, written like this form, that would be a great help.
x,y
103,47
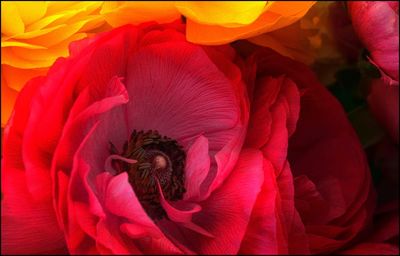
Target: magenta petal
x,y
109,240
377,25
182,95
178,215
182,216
121,200
262,232
226,213
275,226
78,125
196,168
284,115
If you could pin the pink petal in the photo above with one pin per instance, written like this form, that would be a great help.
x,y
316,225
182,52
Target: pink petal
x,y
226,213
293,229
284,115
109,240
178,102
183,214
121,201
377,25
47,119
261,235
196,168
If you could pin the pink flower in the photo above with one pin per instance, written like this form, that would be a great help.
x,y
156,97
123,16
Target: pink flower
x,y
377,25
141,142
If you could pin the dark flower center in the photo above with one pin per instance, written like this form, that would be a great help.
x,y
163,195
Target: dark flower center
x,y
159,159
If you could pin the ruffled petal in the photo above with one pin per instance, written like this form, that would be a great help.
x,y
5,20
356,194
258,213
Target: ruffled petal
x,y
118,14
173,88
196,168
266,22
377,25
227,211
10,15
223,13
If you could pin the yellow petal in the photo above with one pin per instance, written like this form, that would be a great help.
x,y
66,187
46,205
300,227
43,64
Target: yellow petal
x,y
31,34
11,22
214,34
21,44
54,20
224,13
289,8
56,36
70,14
37,58
31,11
55,7
267,22
121,13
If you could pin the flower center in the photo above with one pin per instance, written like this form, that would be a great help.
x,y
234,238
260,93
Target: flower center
x,y
159,159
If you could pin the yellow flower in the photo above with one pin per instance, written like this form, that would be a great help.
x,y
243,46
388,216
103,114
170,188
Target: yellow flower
x,y
33,35
211,22
118,13
223,22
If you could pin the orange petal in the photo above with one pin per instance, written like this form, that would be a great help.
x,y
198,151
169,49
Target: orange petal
x,y
36,58
224,13
31,11
268,21
8,97
16,78
135,12
11,22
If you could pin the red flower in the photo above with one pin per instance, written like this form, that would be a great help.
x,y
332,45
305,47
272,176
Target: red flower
x,y
141,142
384,103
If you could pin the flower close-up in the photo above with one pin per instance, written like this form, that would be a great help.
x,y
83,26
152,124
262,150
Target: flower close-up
x,y
34,35
377,25
142,139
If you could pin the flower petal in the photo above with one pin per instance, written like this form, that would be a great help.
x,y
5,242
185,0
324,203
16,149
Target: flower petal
x,y
196,168
227,211
118,14
384,104
10,15
371,249
377,25
275,226
27,227
224,13
182,101
266,22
